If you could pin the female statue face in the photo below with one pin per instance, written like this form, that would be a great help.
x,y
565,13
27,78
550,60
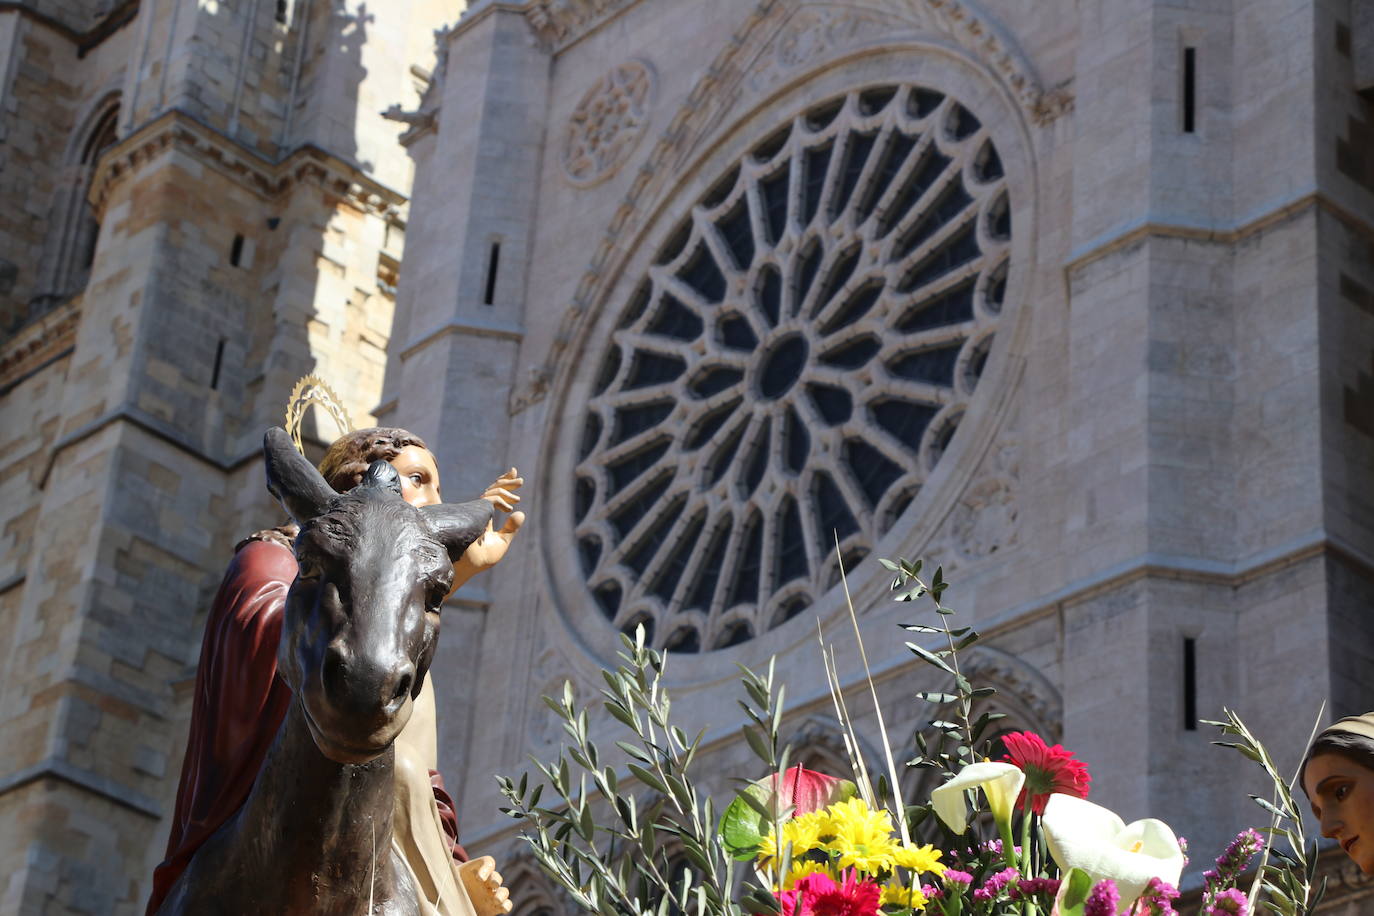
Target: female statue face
x,y
419,476
1342,795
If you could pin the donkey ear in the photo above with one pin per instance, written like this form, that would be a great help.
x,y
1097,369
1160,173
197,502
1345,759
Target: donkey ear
x,y
293,480
458,524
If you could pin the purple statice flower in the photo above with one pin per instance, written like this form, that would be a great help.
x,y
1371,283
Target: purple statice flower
x,y
954,876
1103,899
1033,887
1230,902
932,892
1158,899
1183,848
993,885
1232,862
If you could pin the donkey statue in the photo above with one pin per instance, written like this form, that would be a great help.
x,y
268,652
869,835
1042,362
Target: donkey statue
x,y
358,634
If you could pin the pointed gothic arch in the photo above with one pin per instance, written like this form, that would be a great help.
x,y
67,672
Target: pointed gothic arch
x,y
73,226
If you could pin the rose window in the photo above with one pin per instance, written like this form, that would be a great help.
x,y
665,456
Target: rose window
x,y
792,367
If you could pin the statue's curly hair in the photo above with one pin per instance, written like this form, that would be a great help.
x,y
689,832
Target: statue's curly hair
x,y
347,459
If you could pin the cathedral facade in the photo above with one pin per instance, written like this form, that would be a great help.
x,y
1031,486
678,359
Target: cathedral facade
x,y
1073,299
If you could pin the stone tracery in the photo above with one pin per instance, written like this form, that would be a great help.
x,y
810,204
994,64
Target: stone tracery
x,y
793,364
607,123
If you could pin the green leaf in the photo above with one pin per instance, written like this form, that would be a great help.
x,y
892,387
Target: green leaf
x,y
930,657
1075,893
621,715
1245,749
758,745
648,778
635,752
937,698
1267,806
744,825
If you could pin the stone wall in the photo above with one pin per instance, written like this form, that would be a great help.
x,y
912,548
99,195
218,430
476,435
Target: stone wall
x,y
234,255
1167,443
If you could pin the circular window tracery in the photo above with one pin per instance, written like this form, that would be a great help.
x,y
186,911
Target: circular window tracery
x,y
792,367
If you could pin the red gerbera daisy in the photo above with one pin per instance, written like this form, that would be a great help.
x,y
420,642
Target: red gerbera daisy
x,y
1048,769
820,895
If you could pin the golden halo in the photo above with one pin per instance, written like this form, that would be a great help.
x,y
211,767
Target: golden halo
x,y
312,390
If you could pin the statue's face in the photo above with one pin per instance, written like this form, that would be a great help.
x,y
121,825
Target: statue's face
x,y
1342,794
419,476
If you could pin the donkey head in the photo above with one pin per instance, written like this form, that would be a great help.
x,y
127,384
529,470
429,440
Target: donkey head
x,y
362,617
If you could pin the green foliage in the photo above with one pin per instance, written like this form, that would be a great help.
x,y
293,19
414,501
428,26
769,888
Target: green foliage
x,y
959,740
1078,885
616,854
1290,886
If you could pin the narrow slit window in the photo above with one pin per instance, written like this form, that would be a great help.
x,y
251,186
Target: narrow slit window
x,y
236,251
219,363
1189,90
283,10
1189,684
493,264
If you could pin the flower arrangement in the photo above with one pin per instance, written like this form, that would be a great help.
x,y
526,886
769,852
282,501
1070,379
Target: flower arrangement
x,y
802,843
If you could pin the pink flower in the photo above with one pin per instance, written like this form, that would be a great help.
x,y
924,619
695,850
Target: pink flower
x,y
1030,887
994,884
1048,769
1158,899
1234,860
819,895
954,876
1102,900
1231,902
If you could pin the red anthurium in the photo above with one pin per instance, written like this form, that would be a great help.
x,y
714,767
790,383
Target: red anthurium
x,y
806,790
820,895
743,827
1048,769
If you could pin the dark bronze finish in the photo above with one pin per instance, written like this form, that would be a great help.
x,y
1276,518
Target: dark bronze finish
x,y
360,627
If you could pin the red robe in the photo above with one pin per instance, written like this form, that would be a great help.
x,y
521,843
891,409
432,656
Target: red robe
x,y
238,706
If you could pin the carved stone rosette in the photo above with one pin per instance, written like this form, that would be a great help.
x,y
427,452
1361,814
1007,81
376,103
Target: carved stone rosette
x,y
608,123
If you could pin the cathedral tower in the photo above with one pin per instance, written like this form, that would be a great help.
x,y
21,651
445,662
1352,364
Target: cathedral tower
x,y
200,201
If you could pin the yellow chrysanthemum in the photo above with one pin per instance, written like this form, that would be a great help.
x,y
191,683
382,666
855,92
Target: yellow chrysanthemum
x,y
800,870
804,833
919,858
862,837
767,847
897,895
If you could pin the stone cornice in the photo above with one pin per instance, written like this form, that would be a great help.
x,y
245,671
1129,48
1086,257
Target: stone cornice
x,y
1221,234
559,23
38,344
269,179
85,41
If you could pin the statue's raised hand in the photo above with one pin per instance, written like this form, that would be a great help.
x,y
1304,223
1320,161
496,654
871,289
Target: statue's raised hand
x,y
492,545
501,492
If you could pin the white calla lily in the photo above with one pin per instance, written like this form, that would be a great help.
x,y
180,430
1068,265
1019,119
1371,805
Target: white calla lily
x,y
1083,835
1000,782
